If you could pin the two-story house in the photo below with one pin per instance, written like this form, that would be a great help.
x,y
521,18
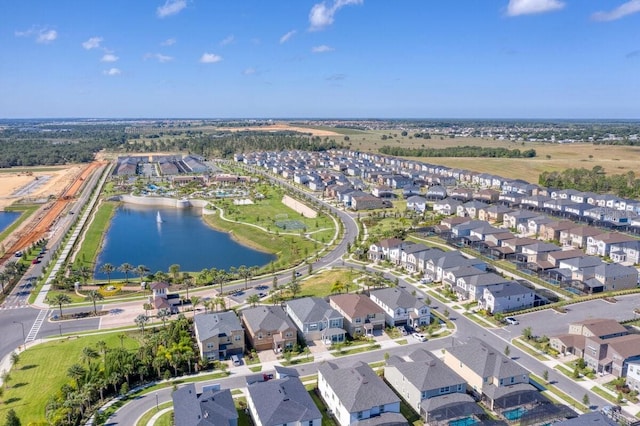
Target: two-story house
x,y
361,315
219,335
401,307
268,327
355,394
315,319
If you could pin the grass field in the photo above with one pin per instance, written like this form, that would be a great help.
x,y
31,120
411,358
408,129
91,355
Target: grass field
x,y
319,285
42,370
550,156
95,233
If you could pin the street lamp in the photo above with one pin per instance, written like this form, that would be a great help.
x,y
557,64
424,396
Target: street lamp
x,y
157,407
24,338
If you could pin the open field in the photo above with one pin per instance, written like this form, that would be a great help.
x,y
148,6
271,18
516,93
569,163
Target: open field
x,y
550,156
42,370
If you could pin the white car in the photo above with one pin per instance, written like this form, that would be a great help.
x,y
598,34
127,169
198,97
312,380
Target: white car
x,y
511,321
419,337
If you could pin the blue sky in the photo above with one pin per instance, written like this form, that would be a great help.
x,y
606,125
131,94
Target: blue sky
x,y
331,59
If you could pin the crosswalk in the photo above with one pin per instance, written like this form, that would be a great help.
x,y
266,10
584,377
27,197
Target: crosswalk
x,y
3,307
42,315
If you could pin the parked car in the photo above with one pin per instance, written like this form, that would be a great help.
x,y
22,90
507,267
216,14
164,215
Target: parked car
x,y
419,337
511,321
18,254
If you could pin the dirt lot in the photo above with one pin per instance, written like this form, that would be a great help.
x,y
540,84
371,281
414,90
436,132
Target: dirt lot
x,y
35,184
280,128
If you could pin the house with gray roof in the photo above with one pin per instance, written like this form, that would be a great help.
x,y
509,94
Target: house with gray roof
x,y
219,335
506,297
315,319
491,375
472,287
210,408
401,307
269,327
427,384
282,402
417,203
356,393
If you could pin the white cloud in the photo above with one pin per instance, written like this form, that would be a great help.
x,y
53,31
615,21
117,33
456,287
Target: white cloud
x,y
322,16
112,72
47,36
285,38
171,7
528,7
42,35
322,49
92,43
249,71
168,42
210,58
227,40
109,57
159,57
625,9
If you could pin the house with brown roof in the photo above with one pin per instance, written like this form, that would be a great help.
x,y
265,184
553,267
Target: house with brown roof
x,y
161,298
268,327
600,245
379,251
551,231
577,237
574,341
361,315
611,356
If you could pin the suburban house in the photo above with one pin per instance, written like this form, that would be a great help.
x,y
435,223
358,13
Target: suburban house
x,y
509,296
381,250
472,287
417,203
315,319
633,375
361,315
282,402
401,307
355,394
269,327
625,252
612,356
600,245
613,276
219,335
213,407
490,375
430,387
448,206
573,341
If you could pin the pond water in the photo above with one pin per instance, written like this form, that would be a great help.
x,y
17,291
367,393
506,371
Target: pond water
x,y
7,218
136,236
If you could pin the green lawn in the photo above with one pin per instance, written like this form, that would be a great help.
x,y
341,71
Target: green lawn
x,y
95,233
144,419
326,420
320,284
42,370
165,420
356,350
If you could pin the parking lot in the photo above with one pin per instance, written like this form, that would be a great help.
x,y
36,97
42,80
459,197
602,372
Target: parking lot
x,y
550,322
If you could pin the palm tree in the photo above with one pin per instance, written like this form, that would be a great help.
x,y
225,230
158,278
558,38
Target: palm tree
x,y
162,315
102,347
221,277
142,270
94,296
140,321
88,353
253,299
244,273
84,272
4,277
187,281
126,268
76,372
195,301
59,299
174,270
338,287
107,268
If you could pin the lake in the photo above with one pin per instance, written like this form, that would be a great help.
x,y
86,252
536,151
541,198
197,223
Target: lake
x,y
7,218
183,238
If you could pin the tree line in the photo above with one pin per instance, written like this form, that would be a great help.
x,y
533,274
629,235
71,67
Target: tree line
x,y
224,145
458,151
594,180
